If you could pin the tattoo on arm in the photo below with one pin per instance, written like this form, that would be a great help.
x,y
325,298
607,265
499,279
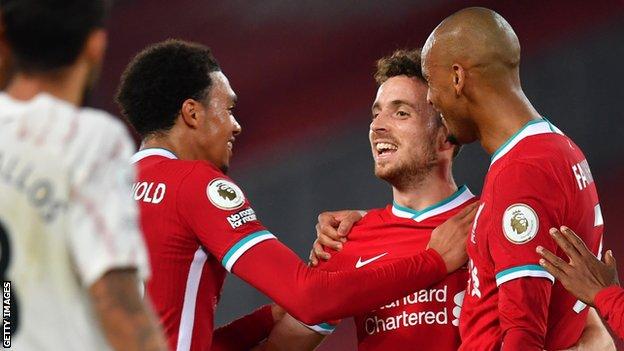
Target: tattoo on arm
x,y
127,320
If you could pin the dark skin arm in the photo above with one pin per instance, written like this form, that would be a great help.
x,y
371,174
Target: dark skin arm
x,y
584,275
127,320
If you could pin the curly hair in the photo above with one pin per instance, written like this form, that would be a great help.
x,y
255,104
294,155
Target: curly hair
x,y
159,79
401,63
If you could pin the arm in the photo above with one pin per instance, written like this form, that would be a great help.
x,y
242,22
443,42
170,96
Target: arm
x,y
590,280
332,230
595,335
299,285
290,334
248,331
610,303
517,221
128,322
523,308
106,245
217,211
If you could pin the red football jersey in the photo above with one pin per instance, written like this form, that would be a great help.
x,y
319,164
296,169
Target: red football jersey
x,y
610,303
537,180
426,319
190,239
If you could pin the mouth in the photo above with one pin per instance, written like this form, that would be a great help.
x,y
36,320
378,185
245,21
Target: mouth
x,y
385,149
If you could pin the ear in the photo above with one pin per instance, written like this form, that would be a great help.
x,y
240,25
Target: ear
x,y
190,113
95,46
459,78
444,145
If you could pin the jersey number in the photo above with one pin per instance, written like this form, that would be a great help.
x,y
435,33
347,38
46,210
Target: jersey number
x,y
9,300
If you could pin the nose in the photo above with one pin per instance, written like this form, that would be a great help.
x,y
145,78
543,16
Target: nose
x,y
237,127
380,123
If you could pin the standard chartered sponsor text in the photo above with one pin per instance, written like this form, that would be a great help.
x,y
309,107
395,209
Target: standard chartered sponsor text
x,y
433,300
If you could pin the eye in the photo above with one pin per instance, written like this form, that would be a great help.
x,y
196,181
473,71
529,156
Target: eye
x,y
403,113
374,116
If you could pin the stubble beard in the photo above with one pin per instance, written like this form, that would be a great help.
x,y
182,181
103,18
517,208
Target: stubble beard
x,y
412,172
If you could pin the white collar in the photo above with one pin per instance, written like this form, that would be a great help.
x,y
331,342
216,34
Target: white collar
x,y
156,151
535,127
458,198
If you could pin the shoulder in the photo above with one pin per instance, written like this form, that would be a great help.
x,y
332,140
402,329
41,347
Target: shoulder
x,y
540,152
201,172
205,179
100,125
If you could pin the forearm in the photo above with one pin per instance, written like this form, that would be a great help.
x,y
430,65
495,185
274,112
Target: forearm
x,y
523,309
279,273
128,322
610,304
244,333
290,334
595,336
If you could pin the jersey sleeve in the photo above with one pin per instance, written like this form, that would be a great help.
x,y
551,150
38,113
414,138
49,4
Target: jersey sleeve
x,y
245,332
526,203
220,214
104,232
610,304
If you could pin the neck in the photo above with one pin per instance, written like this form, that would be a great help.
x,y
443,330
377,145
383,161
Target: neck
x,y
174,142
67,84
499,116
435,187
500,110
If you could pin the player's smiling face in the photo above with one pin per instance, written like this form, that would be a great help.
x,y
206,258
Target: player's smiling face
x,y
404,131
219,128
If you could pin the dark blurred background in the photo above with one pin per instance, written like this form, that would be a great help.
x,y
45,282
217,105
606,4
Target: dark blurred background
x,y
302,71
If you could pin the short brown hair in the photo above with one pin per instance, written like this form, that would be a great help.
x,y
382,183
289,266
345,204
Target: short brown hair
x,y
402,62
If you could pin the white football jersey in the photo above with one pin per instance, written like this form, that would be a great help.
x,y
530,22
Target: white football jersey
x,y
66,218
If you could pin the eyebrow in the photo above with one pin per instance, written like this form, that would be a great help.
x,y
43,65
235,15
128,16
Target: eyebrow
x,y
395,103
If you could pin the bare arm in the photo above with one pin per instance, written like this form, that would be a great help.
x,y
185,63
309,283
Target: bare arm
x,y
127,321
595,335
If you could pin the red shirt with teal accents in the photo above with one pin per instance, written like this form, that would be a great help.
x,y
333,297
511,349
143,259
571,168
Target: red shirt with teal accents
x,y
537,180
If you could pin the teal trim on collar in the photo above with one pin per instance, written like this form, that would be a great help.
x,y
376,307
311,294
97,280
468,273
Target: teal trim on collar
x,y
459,191
500,148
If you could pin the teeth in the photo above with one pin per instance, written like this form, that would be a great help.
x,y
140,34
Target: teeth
x,y
385,146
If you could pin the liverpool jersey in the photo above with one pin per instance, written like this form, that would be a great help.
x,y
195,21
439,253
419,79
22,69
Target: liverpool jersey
x,y
538,179
426,319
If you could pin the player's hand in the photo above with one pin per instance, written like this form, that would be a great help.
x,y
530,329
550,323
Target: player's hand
x,y
584,276
332,230
449,239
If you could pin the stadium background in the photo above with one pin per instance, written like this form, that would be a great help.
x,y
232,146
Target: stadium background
x,y
302,71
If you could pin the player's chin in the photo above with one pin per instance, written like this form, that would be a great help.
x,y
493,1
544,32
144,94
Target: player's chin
x,y
384,171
